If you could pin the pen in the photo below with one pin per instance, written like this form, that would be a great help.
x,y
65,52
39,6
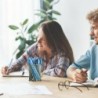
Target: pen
x,y
10,63
23,71
12,57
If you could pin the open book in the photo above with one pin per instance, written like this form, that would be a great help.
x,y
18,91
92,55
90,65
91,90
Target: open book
x,y
89,83
24,73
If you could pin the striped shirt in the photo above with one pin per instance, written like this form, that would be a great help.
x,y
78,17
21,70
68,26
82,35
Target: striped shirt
x,y
56,66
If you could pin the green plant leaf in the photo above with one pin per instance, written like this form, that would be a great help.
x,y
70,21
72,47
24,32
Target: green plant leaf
x,y
41,15
54,2
19,38
30,42
56,12
42,11
53,12
19,54
22,45
33,28
25,22
51,18
47,4
13,27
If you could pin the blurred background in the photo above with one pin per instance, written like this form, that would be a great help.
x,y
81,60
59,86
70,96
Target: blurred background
x,y
72,19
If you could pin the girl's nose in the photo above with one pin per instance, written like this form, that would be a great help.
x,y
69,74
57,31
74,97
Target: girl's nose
x,y
38,40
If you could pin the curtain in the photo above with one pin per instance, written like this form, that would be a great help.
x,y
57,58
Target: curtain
x,y
13,12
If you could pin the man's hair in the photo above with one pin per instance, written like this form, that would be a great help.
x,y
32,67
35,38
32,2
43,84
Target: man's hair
x,y
93,15
56,38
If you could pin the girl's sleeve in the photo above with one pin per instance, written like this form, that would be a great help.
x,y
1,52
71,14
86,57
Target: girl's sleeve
x,y
60,68
17,65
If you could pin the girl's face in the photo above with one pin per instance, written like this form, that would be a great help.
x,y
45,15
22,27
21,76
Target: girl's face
x,y
42,42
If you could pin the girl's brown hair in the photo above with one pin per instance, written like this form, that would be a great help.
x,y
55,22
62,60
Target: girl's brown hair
x,y
56,38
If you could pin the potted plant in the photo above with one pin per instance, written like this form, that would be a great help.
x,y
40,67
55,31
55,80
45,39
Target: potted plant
x,y
25,39
45,13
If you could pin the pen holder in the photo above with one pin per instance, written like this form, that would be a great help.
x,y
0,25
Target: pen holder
x,y
34,68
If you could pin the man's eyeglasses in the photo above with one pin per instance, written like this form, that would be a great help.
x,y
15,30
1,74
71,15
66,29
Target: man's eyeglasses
x,y
66,84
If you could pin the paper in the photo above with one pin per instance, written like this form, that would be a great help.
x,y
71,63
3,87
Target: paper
x,y
18,74
23,88
41,90
87,83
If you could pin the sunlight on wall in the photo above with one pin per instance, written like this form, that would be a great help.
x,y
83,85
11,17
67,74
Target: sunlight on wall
x,y
13,12
74,23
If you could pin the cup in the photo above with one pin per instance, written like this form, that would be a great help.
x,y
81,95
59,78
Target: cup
x,y
34,68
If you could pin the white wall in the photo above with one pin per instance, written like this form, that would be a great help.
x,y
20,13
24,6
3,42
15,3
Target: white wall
x,y
13,12
74,23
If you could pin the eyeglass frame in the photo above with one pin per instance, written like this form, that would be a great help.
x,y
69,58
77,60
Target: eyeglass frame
x,y
66,84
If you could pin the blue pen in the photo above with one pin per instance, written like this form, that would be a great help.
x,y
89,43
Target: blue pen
x,y
10,63
12,58
23,72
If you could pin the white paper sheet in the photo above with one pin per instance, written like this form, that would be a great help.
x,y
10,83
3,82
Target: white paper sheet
x,y
23,88
87,83
18,74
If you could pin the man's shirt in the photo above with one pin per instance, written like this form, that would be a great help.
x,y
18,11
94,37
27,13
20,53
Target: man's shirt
x,y
89,61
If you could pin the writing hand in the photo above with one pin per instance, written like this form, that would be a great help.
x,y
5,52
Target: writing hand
x,y
4,70
80,75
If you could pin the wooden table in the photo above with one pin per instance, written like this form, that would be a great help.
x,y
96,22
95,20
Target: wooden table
x,y
52,84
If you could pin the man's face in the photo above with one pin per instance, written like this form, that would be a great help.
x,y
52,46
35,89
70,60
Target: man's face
x,y
94,31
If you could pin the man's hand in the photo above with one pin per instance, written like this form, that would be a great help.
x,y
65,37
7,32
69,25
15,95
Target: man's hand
x,y
79,75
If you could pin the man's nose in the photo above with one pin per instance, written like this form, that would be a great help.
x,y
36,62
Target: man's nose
x,y
92,34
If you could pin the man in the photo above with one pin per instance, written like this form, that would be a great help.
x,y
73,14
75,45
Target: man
x,y
89,61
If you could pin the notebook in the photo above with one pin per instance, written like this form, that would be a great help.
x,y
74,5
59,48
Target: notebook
x,y
89,83
24,73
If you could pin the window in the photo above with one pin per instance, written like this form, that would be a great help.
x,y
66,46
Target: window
x,y
13,12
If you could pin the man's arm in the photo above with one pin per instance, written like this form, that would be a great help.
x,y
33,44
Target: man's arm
x,y
78,70
77,75
70,71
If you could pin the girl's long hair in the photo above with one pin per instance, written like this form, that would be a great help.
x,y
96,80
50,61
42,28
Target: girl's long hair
x,y
56,38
